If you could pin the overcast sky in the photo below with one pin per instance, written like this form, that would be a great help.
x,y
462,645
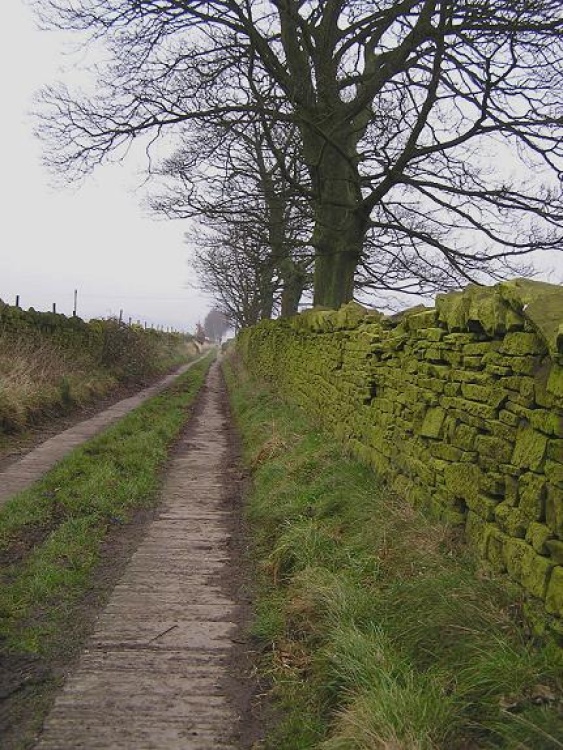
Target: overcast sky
x,y
96,239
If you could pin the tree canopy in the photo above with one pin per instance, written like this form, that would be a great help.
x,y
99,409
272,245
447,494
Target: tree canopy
x,y
430,130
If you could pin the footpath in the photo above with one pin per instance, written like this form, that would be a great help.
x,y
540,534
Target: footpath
x,y
157,671
27,470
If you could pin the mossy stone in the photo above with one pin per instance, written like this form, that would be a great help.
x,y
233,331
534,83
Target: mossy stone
x,y
511,520
554,510
495,448
554,472
540,304
509,418
493,483
530,448
474,363
521,344
555,548
501,430
554,596
433,422
555,381
495,550
474,408
464,437
453,310
522,413
537,535
478,532
483,505
526,567
420,319
555,450
475,392
352,314
532,493
547,421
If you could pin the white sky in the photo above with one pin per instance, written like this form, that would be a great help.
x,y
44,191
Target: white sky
x,y
96,239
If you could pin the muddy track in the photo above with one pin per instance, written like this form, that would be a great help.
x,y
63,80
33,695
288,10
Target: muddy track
x,y
167,663
16,476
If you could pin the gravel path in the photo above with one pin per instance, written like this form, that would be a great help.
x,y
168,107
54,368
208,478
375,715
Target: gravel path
x,y
154,673
27,470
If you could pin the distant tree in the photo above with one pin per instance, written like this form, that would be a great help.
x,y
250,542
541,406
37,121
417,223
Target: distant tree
x,y
230,177
410,113
235,270
199,333
215,325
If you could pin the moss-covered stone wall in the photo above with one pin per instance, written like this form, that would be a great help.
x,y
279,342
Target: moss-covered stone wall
x,y
460,407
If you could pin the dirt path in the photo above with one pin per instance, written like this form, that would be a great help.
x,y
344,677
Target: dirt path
x,y
24,472
155,672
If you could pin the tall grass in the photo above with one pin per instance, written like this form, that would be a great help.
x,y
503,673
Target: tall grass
x,y
379,628
42,379
41,376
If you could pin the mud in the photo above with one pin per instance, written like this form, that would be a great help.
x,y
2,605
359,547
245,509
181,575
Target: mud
x,y
168,664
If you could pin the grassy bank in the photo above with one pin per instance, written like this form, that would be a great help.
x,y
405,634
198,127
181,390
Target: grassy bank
x,y
51,536
378,629
50,363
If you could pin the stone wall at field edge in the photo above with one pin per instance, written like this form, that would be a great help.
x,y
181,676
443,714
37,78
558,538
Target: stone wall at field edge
x,y
460,407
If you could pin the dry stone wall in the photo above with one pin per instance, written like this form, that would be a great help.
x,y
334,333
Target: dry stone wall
x,y
460,407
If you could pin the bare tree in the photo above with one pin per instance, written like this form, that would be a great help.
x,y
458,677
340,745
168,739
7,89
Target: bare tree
x,y
405,111
236,271
229,177
215,325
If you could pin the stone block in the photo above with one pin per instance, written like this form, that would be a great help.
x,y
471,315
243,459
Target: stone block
x,y
555,548
494,448
547,421
452,389
509,418
483,505
526,567
537,535
495,550
554,472
554,596
554,510
532,492
555,381
555,450
493,483
433,422
530,448
521,344
464,437
501,430
511,520
473,363
478,532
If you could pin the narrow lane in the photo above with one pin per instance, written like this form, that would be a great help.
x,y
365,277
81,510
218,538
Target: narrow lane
x,y
27,470
154,672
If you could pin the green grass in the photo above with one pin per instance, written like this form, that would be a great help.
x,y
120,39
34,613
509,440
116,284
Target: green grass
x,y
379,629
50,535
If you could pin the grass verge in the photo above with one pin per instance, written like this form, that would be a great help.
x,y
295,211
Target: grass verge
x,y
378,628
51,537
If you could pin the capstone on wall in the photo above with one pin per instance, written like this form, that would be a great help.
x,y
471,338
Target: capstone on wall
x,y
460,407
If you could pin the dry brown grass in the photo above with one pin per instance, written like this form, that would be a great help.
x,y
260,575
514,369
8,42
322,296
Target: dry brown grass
x,y
39,378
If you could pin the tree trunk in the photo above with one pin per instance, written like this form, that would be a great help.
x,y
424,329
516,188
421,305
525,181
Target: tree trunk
x,y
294,280
340,219
338,240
